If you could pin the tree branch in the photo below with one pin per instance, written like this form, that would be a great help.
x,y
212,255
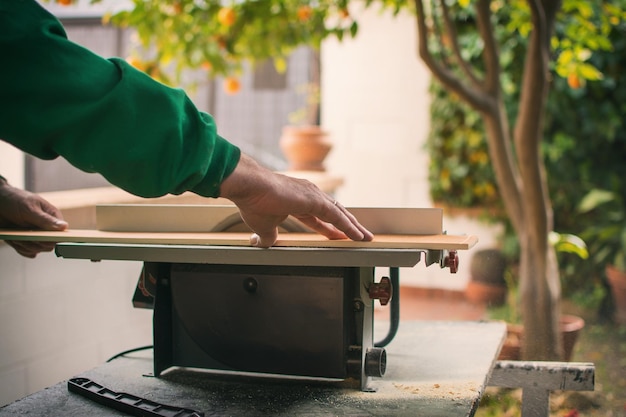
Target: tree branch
x,y
437,34
454,39
490,51
491,106
474,97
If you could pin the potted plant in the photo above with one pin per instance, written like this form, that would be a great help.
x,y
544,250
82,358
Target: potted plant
x,y
569,328
487,284
303,142
305,147
608,242
570,325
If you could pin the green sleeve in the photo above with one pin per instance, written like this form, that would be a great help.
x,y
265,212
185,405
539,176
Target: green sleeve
x,y
102,115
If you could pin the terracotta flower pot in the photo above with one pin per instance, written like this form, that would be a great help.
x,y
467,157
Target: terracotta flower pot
x,y
617,281
305,147
570,327
488,266
487,285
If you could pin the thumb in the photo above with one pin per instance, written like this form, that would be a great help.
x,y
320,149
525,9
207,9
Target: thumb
x,y
59,224
48,217
47,221
264,240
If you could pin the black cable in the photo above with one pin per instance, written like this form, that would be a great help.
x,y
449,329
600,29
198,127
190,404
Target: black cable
x,y
137,349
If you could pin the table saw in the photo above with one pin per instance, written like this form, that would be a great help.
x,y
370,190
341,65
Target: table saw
x,y
303,308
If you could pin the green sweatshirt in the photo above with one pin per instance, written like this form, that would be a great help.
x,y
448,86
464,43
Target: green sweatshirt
x,y
102,115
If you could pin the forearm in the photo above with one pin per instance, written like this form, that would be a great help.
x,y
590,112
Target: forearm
x,y
102,115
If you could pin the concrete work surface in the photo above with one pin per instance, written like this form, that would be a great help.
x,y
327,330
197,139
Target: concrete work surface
x,y
434,369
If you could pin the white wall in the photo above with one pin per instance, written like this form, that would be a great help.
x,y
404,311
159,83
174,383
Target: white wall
x,y
60,317
12,164
376,107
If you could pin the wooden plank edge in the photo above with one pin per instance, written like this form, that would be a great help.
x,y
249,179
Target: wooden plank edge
x,y
426,242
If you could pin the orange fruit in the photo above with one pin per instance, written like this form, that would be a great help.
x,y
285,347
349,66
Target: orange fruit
x,y
304,13
136,62
232,85
574,81
154,71
226,16
64,2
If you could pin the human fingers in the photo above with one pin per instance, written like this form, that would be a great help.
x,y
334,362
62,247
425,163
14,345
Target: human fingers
x,y
44,215
30,249
264,227
19,208
336,222
319,213
323,228
367,235
265,240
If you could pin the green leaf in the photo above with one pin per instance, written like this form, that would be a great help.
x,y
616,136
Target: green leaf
x,y
594,199
590,72
354,27
569,243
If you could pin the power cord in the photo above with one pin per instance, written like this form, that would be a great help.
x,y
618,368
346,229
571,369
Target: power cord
x,y
126,352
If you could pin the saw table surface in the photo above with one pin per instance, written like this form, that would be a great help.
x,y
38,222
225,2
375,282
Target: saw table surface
x,y
433,369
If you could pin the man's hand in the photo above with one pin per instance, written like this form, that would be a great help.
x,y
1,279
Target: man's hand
x,y
23,209
265,199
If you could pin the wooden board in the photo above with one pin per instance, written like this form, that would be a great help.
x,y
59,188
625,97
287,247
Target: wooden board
x,y
312,240
214,218
165,218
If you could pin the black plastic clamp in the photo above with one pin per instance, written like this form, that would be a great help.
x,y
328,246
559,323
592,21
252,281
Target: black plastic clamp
x,y
126,403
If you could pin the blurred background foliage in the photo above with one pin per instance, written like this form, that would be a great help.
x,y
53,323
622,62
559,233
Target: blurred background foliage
x,y
219,36
584,147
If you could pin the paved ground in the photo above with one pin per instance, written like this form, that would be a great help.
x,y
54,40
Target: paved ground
x,y
433,304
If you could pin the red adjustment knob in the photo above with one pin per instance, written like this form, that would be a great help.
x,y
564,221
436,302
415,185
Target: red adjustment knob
x,y
381,291
452,261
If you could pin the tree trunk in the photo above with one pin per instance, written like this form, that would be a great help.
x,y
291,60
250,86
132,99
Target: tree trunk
x,y
540,302
539,275
520,175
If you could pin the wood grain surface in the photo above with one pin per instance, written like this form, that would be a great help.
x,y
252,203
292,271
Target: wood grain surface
x,y
381,241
